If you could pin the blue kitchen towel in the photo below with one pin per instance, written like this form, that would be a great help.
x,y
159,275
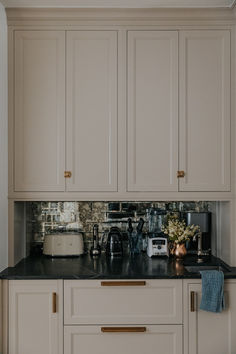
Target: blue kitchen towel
x,y
212,291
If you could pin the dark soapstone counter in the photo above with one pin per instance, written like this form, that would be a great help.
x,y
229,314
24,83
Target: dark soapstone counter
x,y
103,267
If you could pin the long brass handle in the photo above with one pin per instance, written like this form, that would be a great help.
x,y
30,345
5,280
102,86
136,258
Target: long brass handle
x,y
54,302
123,329
123,283
192,301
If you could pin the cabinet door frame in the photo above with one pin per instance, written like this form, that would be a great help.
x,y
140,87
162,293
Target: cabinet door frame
x,y
191,318
122,192
151,330
91,292
18,120
224,135
73,184
48,287
172,183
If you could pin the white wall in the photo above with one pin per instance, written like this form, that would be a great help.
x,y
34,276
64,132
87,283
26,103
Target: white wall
x,y
3,141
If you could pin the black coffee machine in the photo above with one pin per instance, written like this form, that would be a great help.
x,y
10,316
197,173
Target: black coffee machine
x,y
203,220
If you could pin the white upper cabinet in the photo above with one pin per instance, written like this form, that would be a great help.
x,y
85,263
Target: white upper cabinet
x,y
205,110
91,111
39,119
152,111
176,116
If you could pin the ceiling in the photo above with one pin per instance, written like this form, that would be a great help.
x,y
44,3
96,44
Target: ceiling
x,y
121,3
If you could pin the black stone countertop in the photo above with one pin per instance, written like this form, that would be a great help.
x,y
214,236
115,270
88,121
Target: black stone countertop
x,y
127,267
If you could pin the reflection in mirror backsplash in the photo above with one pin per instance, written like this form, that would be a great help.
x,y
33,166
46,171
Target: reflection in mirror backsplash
x,y
46,217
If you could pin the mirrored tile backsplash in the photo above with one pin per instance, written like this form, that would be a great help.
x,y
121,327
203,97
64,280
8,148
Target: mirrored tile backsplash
x,y
46,217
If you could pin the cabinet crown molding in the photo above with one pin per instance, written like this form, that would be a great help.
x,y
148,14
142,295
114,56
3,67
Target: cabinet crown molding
x,y
121,3
128,16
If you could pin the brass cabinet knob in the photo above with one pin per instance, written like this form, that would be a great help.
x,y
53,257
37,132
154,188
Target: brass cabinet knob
x,y
180,174
67,174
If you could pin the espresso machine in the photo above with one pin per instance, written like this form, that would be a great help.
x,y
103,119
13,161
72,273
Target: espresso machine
x,y
203,220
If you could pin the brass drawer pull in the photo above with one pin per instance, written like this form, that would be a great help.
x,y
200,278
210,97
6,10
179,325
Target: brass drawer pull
x,y
54,302
192,301
123,329
123,283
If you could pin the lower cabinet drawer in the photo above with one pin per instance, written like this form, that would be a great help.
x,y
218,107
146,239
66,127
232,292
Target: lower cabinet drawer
x,y
123,302
161,339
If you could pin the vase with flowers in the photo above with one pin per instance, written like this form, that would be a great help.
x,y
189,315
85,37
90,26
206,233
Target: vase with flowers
x,y
179,233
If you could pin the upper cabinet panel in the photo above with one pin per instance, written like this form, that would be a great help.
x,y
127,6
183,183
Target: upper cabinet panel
x,y
152,111
39,120
205,110
92,111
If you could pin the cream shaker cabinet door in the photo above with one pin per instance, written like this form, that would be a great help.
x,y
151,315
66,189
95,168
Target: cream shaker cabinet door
x,y
205,110
39,119
88,302
35,317
152,111
92,111
166,339
207,332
